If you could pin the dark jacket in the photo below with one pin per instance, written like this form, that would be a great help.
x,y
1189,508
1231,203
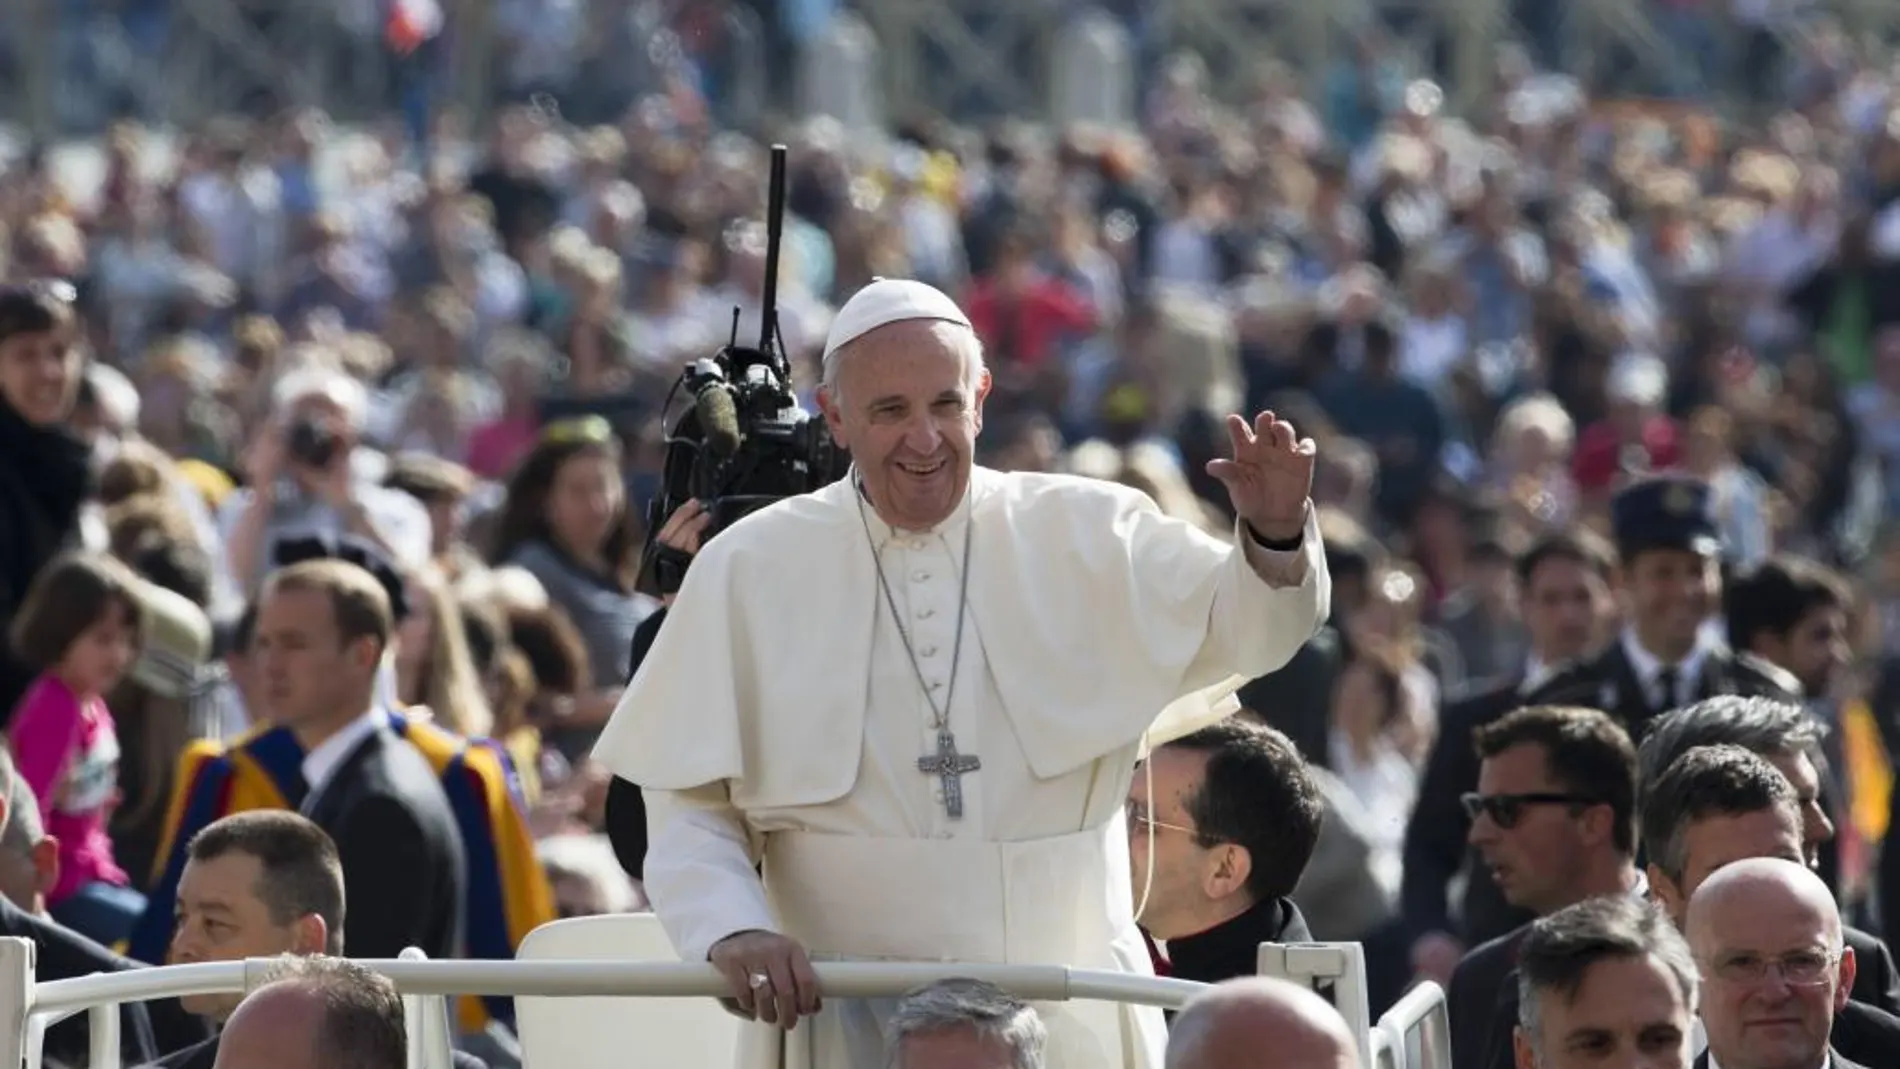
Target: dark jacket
x,y
45,475
1836,1062
1436,846
1607,681
404,875
1232,948
63,954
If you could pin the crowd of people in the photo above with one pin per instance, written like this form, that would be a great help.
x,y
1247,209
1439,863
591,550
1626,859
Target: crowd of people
x,y
326,458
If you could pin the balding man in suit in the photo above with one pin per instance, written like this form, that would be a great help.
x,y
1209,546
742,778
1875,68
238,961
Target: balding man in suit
x,y
1231,1023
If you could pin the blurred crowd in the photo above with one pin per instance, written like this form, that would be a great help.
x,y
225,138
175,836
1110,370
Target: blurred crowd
x,y
280,338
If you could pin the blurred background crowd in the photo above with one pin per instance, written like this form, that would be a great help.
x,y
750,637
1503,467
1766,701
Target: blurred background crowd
x,y
422,289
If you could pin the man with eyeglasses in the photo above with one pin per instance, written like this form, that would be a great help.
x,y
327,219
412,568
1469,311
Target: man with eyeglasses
x,y
1554,820
1766,935
1717,806
1787,737
1219,845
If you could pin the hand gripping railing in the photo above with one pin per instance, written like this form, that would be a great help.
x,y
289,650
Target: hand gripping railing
x,y
99,995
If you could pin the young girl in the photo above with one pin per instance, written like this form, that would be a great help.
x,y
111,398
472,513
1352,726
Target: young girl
x,y
79,629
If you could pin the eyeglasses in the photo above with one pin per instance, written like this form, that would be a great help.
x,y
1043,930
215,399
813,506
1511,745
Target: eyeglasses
x,y
1138,819
1506,810
1801,968
588,430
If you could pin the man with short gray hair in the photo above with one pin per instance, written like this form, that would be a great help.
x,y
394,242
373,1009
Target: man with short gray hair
x,y
1608,981
964,1024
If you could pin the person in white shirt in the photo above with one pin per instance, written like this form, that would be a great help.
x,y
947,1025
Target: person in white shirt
x,y
918,696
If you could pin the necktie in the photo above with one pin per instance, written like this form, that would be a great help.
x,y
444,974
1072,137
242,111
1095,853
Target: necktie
x,y
1666,690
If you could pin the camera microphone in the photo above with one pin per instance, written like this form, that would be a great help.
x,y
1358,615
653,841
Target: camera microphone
x,y
718,419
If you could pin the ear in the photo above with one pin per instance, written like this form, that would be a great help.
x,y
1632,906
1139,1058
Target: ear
x,y
46,863
1850,967
367,653
309,935
1665,892
1227,876
1597,821
834,414
1521,1055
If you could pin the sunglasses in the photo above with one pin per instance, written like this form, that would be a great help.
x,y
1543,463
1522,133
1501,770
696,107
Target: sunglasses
x,y
1505,810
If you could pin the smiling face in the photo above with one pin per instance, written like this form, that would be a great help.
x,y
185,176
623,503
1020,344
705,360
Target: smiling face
x,y
904,401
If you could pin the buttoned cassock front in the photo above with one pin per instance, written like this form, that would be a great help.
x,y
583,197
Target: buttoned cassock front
x,y
778,719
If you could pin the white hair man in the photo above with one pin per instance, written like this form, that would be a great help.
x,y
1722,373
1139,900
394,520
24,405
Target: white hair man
x,y
964,1024
1232,1023
919,695
302,480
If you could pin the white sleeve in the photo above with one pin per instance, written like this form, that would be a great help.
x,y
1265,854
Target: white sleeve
x,y
701,869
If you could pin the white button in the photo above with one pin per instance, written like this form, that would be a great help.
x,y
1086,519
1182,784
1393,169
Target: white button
x,y
915,543
919,575
943,835
928,651
939,794
926,613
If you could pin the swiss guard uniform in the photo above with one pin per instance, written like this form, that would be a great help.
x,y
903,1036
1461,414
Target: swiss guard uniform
x,y
1664,514
508,893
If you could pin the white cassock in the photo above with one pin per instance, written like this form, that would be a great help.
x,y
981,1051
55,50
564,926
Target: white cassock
x,y
760,737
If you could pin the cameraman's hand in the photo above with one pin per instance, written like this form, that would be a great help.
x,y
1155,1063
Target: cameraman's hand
x,y
264,459
686,527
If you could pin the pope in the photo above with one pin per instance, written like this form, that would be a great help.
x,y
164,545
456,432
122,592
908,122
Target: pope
x,y
896,719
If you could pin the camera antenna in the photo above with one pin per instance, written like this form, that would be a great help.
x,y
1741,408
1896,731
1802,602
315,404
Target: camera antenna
x,y
774,233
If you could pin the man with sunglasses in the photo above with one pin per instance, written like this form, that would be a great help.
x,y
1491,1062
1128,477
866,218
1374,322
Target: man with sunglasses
x,y
1766,934
1718,805
1554,821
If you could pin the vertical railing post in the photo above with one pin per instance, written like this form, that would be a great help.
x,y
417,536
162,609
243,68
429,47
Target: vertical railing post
x,y
16,998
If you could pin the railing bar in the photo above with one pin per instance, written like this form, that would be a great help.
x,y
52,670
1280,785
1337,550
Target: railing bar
x,y
104,1024
592,978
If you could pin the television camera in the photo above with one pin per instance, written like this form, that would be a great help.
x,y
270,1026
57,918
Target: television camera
x,y
744,441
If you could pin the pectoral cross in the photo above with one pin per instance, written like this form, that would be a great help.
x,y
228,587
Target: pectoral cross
x,y
949,766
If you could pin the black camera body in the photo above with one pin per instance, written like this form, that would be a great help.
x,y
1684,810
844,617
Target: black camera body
x,y
745,442
311,443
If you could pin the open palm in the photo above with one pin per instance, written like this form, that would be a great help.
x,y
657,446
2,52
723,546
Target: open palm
x,y
1270,476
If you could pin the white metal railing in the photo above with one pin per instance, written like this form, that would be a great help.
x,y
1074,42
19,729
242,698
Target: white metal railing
x,y
1414,1034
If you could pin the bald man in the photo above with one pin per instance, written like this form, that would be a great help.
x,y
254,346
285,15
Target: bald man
x,y
1766,934
317,1013
1227,1026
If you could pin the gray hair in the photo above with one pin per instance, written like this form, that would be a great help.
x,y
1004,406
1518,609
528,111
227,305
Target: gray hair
x,y
1768,727
983,1008
362,1024
1559,950
20,828
966,339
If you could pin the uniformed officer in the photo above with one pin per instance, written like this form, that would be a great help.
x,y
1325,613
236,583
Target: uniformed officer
x,y
1670,579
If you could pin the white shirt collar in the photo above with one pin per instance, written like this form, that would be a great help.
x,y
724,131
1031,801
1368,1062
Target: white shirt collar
x,y
322,760
1536,674
882,533
1646,666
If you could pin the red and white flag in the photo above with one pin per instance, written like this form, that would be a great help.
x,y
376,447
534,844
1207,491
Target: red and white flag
x,y
412,22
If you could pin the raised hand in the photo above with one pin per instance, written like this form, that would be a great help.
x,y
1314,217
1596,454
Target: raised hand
x,y
1270,476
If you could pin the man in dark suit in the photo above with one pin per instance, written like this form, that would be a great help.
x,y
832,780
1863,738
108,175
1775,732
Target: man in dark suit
x,y
1607,981
1788,738
1220,825
1717,805
1554,820
259,884
1767,933
322,628
1667,656
1564,599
